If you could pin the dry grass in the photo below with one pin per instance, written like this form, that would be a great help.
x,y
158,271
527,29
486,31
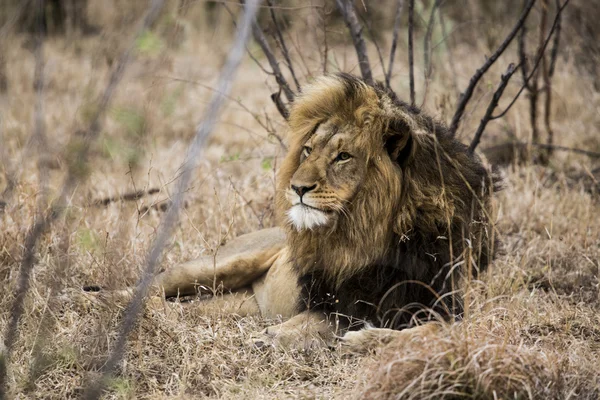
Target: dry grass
x,y
532,327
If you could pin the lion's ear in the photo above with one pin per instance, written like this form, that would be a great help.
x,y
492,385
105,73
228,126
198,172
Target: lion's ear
x,y
399,142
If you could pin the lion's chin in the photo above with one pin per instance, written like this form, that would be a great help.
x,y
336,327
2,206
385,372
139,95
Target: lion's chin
x,y
303,217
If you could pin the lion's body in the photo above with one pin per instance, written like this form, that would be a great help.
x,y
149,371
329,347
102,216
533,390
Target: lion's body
x,y
381,212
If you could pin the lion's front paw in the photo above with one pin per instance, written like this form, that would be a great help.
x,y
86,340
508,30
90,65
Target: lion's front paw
x,y
370,338
367,339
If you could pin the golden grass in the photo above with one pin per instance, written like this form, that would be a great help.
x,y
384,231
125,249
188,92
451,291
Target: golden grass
x,y
532,325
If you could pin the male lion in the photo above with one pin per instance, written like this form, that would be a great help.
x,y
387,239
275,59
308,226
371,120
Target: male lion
x,y
384,215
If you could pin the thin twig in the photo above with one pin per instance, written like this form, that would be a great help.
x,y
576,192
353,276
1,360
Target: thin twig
x,y
555,43
39,133
164,232
492,106
427,41
355,28
588,153
284,48
276,97
74,176
446,39
325,43
367,23
394,42
531,86
523,55
252,57
411,62
466,96
266,49
537,62
259,36
547,80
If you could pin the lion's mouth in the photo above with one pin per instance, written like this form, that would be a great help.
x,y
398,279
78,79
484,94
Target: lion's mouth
x,y
302,204
304,216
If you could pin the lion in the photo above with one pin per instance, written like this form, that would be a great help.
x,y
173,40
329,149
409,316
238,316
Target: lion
x,y
384,216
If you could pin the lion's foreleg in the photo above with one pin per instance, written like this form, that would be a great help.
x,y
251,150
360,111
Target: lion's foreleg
x,y
235,265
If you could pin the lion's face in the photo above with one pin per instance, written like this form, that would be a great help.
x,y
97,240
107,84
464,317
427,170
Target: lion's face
x,y
329,175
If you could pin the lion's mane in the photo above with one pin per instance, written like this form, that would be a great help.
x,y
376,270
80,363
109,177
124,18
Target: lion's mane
x,y
418,228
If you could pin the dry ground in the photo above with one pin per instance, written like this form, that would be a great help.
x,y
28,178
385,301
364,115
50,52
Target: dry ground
x,y
532,328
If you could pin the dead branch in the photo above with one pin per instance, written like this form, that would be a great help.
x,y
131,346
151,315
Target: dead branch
x,y
276,97
450,54
394,42
282,45
74,177
555,43
546,78
39,133
492,106
427,41
588,153
531,86
259,36
355,28
368,24
466,96
537,62
203,131
325,43
523,55
411,63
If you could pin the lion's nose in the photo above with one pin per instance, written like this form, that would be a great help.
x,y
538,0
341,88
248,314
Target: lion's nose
x,y
301,190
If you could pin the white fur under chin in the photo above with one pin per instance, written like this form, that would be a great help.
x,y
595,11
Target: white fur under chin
x,y
303,217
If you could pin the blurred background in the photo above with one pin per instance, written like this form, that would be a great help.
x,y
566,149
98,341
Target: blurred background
x,y
55,63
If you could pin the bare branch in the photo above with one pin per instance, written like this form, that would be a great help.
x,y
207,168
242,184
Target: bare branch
x,y
252,57
427,41
39,133
164,232
466,96
523,54
537,61
588,153
355,28
394,42
411,62
492,106
74,176
555,43
367,23
276,97
450,55
284,48
325,43
259,36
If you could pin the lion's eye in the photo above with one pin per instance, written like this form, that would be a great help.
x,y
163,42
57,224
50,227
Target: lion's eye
x,y
306,151
343,156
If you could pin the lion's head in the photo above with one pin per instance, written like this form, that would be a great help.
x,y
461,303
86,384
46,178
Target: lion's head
x,y
368,178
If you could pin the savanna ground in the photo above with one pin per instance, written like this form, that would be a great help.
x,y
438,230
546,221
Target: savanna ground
x,y
532,324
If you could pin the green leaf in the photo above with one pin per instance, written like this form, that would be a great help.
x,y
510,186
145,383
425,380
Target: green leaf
x,y
131,119
267,163
149,43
